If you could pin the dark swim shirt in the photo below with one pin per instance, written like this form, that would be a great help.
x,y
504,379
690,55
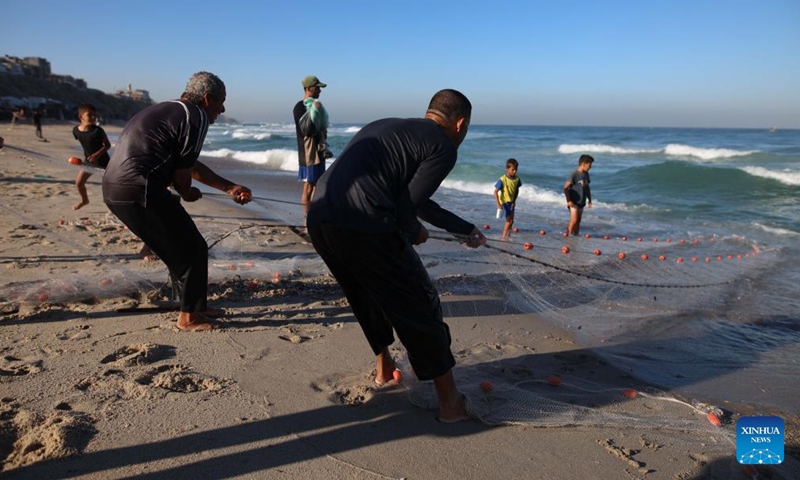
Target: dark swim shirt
x,y
154,143
580,185
383,180
92,141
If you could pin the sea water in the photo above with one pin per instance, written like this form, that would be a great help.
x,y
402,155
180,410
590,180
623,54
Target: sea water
x,y
645,182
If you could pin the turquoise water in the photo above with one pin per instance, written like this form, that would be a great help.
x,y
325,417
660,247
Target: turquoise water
x,y
727,184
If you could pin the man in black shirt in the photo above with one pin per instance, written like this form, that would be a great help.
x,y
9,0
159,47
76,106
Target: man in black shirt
x,y
363,220
159,148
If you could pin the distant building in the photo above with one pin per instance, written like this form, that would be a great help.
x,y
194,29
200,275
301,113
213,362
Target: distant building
x,y
37,67
69,80
134,94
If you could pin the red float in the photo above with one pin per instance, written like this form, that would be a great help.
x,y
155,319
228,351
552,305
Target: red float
x,y
644,256
527,246
486,386
621,255
554,381
486,227
542,232
662,257
515,230
74,161
565,249
629,393
598,252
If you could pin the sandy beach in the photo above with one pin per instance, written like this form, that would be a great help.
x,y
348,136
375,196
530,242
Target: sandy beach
x,y
97,382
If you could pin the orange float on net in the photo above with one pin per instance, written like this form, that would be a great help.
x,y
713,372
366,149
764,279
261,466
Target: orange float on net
x,y
621,255
276,277
42,297
669,240
655,240
730,257
695,241
565,249
598,252
624,239
564,234
629,393
694,259
719,258
587,236
662,257
74,161
554,381
527,245
486,386
515,230
683,241
542,232
713,239
679,260
714,419
644,256
397,375
639,239
606,237
486,227
708,259
739,256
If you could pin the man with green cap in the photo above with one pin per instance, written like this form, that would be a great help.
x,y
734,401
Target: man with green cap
x,y
311,125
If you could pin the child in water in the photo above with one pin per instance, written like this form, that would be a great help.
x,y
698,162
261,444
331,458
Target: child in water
x,y
505,193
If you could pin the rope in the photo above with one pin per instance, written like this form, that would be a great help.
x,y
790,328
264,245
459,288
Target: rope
x,y
437,236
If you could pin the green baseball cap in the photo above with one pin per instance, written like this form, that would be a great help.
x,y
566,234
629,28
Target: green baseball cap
x,y
312,81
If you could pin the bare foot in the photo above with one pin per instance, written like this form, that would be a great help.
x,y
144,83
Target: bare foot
x,y
385,369
196,322
80,204
454,413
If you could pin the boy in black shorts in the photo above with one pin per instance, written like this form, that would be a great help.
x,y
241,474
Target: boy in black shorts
x,y
95,145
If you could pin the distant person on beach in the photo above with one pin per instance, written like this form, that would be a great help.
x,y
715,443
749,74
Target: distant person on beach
x,y
578,193
363,222
95,145
37,121
159,147
18,114
311,126
505,193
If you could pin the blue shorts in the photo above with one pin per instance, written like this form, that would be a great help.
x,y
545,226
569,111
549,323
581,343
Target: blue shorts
x,y
311,174
508,209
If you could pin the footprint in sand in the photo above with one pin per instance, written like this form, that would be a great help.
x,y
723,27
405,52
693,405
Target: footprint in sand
x,y
346,391
28,437
78,332
181,379
14,367
139,354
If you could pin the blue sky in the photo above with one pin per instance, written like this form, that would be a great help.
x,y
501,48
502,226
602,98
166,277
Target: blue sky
x,y
633,63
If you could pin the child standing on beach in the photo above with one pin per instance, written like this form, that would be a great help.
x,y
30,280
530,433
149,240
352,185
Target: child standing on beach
x,y
95,145
505,193
578,193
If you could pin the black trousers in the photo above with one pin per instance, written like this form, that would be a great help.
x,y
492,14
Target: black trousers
x,y
388,287
171,234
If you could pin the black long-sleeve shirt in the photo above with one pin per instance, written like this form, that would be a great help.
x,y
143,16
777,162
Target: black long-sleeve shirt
x,y
384,178
155,142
